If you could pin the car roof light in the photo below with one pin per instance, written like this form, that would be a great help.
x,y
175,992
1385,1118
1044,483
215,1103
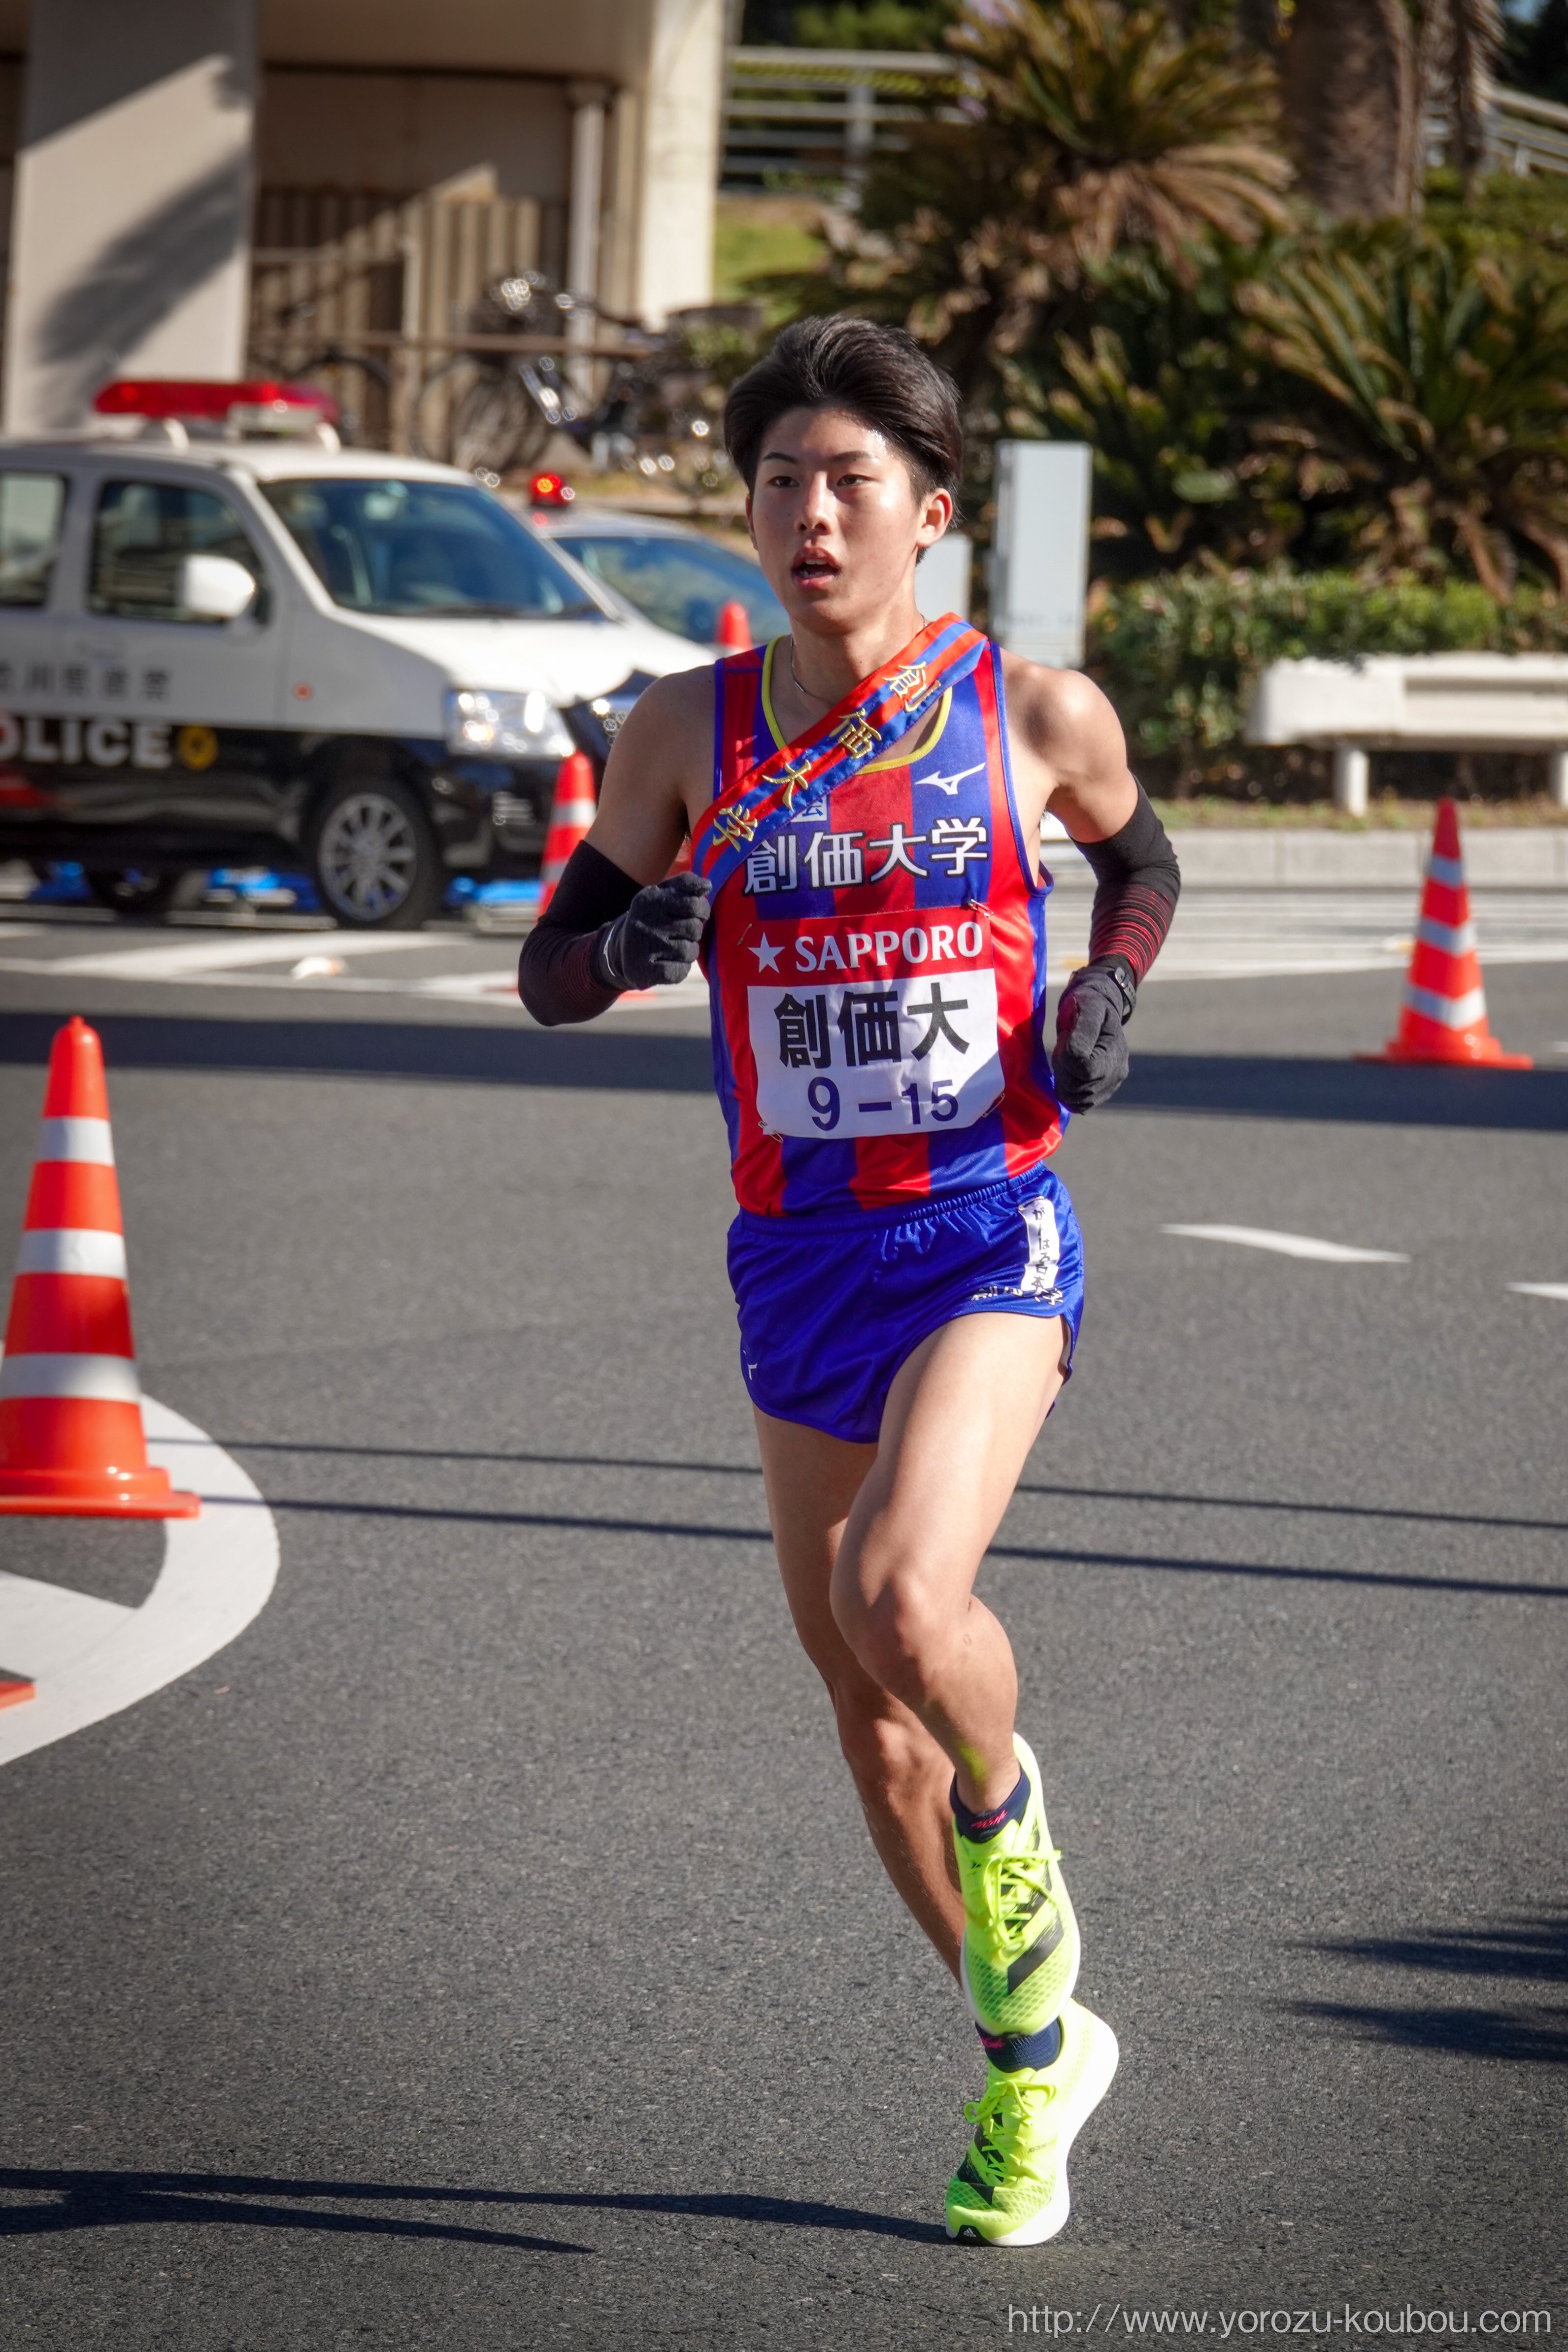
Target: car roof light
x,y
259,403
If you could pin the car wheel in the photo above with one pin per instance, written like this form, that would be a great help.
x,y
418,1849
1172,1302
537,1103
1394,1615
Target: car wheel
x,y
131,891
373,857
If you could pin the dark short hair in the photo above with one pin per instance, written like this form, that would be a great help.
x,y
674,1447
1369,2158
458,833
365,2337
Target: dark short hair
x,y
878,373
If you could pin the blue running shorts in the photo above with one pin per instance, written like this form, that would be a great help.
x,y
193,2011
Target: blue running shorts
x,y
830,1307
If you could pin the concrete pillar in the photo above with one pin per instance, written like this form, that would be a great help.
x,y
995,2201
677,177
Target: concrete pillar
x,y
131,241
1352,775
682,130
585,198
1557,778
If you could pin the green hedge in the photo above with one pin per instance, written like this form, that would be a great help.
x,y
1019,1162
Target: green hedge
x,y
1179,654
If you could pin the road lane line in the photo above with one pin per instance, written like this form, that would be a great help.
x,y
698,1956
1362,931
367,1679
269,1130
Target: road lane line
x,y
1289,1244
218,1573
191,958
1541,1290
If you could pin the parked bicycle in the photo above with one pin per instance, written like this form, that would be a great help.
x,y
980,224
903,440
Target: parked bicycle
x,y
489,412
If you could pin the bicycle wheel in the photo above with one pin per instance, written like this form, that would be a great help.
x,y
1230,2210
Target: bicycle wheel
x,y
439,397
490,422
361,388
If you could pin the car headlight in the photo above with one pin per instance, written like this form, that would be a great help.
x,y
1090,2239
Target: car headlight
x,y
488,725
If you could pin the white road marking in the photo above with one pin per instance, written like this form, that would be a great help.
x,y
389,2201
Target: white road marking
x,y
1235,934
1219,934
193,959
1541,1290
91,1658
1289,1244
46,1625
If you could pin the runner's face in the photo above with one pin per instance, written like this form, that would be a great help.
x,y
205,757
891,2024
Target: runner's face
x,y
836,519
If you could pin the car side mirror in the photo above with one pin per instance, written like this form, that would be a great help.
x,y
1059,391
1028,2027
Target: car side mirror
x,y
214,587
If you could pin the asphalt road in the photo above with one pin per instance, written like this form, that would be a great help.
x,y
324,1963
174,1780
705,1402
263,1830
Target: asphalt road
x,y
486,1952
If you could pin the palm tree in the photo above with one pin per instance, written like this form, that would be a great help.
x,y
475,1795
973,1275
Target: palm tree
x,y
1351,101
1432,429
1462,42
1082,128
1359,79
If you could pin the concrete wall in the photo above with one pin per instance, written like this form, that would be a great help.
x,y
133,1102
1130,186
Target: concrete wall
x,y
397,134
681,135
129,243
139,148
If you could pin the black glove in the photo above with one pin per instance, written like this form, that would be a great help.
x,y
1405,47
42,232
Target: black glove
x,y
654,943
1091,1057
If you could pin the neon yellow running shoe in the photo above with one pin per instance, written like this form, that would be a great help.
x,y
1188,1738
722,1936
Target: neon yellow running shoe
x,y
1020,1952
1011,2187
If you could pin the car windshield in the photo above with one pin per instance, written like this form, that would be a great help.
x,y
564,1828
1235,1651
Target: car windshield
x,y
681,583
430,550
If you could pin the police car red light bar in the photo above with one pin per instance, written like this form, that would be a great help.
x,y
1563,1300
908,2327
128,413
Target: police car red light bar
x,y
551,490
215,403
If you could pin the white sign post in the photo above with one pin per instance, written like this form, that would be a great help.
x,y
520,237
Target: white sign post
x,y
1040,566
942,578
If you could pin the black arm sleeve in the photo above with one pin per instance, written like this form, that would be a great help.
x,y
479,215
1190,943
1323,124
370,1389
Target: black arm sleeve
x,y
558,972
1138,884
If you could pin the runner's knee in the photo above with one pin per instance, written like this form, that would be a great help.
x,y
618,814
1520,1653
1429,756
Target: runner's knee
x,y
895,1624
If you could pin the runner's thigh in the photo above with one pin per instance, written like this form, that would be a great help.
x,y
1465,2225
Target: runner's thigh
x,y
812,1482
961,1416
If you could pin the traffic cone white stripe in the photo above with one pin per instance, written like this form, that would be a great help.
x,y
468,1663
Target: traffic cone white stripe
x,y
1449,939
77,1138
1453,1012
1450,871
100,1379
575,811
72,1249
71,1437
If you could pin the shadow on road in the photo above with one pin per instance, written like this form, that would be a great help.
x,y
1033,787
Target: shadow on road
x,y
754,1470
1467,2032
107,2200
1535,1948
1521,1947
1072,1555
1230,1085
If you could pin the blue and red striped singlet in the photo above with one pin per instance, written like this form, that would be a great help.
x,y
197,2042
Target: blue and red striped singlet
x,y
878,969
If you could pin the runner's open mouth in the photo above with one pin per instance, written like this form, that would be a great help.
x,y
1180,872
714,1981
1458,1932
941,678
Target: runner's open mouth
x,y
814,567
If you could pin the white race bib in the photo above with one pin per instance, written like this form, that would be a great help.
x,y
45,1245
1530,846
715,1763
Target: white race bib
x,y
894,1055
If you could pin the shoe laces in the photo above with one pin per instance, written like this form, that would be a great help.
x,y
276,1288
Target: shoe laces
x,y
1013,1889
1003,2112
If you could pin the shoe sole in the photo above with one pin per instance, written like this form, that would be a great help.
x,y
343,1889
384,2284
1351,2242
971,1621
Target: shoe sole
x,y
1052,2217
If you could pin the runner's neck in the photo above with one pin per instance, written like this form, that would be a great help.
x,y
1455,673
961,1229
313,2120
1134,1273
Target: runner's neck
x,y
829,668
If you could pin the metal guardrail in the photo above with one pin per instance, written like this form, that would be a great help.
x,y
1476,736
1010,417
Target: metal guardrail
x,y
1526,134
795,117
806,116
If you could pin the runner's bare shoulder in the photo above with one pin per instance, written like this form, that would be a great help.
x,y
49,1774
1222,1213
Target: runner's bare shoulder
x,y
1059,712
659,776
670,722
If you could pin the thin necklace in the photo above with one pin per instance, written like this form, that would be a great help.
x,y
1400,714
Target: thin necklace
x,y
796,675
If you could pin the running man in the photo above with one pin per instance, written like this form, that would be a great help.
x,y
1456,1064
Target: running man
x,y
864,799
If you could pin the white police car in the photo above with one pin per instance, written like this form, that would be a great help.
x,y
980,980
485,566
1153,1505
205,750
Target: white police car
x,y
245,649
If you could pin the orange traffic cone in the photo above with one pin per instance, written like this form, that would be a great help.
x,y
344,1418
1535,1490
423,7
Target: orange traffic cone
x,y
71,1439
573,810
733,627
13,1688
1442,1012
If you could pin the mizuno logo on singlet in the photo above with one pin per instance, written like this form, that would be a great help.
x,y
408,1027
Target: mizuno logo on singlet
x,y
949,784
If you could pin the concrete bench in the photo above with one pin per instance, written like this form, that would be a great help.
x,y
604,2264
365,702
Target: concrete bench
x,y
1433,702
